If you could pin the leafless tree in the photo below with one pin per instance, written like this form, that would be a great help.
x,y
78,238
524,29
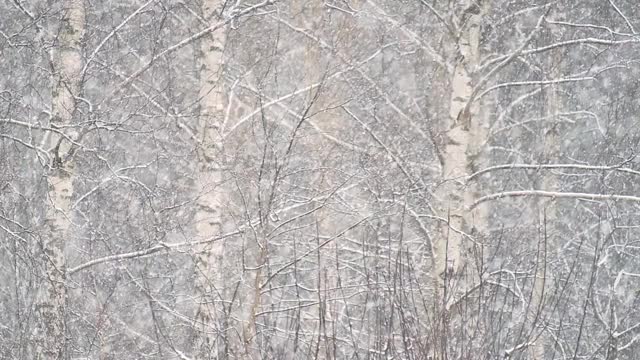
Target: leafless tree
x,y
327,179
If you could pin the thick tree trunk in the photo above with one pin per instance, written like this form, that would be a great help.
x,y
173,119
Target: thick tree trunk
x,y
67,65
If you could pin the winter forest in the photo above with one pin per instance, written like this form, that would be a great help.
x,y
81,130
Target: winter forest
x,y
320,179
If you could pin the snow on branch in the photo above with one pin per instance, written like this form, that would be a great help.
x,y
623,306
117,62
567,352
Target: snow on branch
x,y
185,42
555,195
140,253
617,168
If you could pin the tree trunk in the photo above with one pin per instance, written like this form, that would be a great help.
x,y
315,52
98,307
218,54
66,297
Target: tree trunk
x,y
465,135
548,213
211,197
224,306
67,65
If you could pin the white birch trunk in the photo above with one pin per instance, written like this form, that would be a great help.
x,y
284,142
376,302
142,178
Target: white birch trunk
x,y
228,272
220,308
463,140
67,65
463,136
211,198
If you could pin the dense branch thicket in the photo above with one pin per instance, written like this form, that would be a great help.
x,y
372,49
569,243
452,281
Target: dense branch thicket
x,y
306,179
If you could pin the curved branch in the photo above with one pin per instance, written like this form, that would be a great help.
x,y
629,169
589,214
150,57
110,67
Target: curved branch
x,y
555,194
589,41
149,251
185,42
553,166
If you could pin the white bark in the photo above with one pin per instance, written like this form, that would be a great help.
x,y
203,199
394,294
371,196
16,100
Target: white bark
x,y
224,305
465,135
463,141
211,200
67,65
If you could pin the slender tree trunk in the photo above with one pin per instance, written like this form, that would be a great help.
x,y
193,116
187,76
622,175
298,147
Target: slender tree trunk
x,y
465,135
67,65
225,318
211,196
548,212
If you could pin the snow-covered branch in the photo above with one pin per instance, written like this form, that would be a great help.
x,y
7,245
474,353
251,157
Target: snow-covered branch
x,y
154,249
553,166
555,195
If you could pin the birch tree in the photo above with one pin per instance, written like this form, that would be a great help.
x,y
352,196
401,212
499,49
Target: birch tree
x,y
209,221
66,66
319,179
464,136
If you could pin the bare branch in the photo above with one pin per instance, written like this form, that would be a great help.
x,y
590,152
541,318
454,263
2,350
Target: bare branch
x,y
185,42
553,166
149,251
555,195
